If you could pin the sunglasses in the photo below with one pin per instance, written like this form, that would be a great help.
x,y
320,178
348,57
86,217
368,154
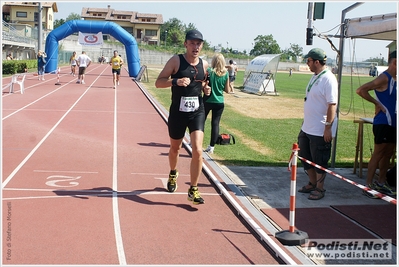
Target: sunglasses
x,y
196,73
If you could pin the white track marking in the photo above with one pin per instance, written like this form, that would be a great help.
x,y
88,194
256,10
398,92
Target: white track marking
x,y
156,174
24,107
63,171
97,193
58,88
6,181
117,225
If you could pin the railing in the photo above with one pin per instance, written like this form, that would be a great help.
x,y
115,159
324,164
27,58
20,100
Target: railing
x,y
9,33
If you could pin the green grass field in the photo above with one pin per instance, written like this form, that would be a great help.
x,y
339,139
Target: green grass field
x,y
268,142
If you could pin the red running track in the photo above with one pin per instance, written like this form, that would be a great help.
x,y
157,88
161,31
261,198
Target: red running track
x,y
84,174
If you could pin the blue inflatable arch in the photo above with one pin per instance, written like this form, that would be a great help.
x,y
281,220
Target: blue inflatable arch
x,y
86,26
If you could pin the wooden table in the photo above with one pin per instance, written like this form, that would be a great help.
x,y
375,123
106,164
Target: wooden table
x,y
359,145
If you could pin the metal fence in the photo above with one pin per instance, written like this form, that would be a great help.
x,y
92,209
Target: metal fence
x,y
10,34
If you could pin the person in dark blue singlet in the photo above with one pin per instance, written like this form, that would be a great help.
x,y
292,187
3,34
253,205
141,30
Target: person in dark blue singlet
x,y
186,75
384,125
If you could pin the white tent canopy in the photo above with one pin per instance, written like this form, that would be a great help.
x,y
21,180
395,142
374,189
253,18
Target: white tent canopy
x,y
378,27
263,63
260,74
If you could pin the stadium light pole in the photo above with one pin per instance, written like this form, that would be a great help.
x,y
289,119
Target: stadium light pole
x,y
166,35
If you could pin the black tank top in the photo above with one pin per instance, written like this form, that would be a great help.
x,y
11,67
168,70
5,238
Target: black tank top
x,y
196,74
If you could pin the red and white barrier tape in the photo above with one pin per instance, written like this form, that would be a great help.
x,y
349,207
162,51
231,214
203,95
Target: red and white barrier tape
x,y
369,190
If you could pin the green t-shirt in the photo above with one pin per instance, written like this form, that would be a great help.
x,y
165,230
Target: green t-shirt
x,y
217,84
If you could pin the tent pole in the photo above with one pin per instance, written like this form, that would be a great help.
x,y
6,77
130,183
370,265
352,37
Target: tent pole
x,y
339,78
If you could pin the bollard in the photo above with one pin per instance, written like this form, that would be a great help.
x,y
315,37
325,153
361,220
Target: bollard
x,y
58,77
292,237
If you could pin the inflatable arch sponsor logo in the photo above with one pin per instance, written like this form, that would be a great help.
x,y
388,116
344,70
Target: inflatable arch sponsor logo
x,y
90,39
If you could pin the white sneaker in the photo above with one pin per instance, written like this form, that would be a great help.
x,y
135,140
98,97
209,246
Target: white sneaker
x,y
83,82
43,79
77,81
209,149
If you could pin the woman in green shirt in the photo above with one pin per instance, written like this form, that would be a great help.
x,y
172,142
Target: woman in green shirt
x,y
219,83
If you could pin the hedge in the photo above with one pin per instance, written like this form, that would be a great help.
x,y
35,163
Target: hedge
x,y
18,66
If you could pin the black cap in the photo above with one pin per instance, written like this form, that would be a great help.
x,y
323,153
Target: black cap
x,y
194,34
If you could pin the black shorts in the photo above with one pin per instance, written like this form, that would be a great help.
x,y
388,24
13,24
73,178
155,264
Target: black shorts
x,y
117,71
384,133
82,70
179,121
315,149
232,78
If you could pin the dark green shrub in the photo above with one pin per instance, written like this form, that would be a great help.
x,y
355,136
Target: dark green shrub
x,y
18,66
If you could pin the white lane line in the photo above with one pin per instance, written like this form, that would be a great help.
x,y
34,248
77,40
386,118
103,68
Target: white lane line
x,y
104,194
63,171
18,110
156,174
37,100
117,225
12,174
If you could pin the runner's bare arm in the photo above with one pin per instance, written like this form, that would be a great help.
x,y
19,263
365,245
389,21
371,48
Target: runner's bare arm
x,y
164,80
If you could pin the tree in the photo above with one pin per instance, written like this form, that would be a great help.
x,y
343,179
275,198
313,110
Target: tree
x,y
58,23
191,27
174,31
380,60
265,44
292,53
175,37
73,16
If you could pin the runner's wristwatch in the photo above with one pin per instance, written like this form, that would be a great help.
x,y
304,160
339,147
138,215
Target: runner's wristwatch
x,y
328,123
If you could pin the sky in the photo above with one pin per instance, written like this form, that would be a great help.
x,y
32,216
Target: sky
x,y
235,24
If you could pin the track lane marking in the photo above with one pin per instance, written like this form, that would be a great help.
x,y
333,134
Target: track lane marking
x,y
115,207
52,171
49,93
22,163
105,194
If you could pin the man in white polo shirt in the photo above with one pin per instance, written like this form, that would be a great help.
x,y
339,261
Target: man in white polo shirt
x,y
83,61
319,126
